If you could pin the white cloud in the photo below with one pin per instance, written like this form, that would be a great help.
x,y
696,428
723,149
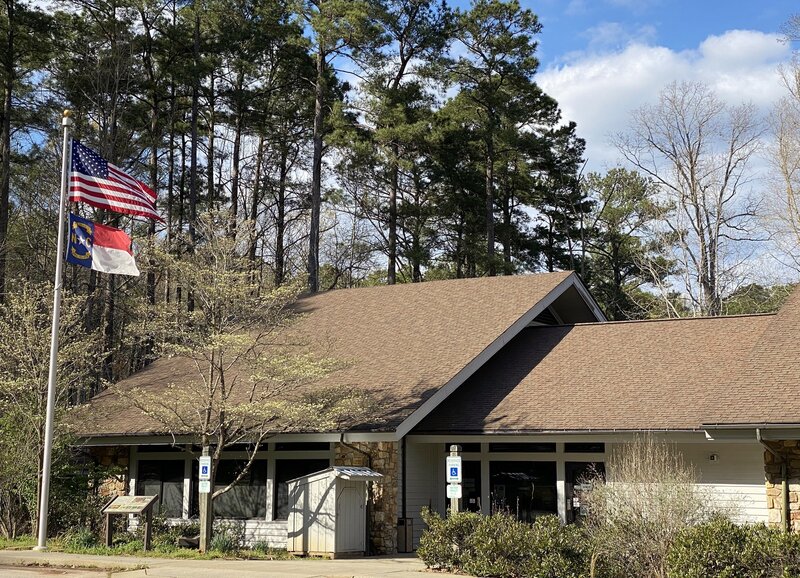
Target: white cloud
x,y
598,90
576,8
634,5
608,36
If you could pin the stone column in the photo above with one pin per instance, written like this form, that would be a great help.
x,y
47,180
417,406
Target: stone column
x,y
774,482
383,514
116,459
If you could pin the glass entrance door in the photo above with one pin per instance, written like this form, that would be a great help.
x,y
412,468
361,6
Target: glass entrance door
x,y
578,479
523,489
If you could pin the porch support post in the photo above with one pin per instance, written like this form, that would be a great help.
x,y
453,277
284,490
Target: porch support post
x,y
486,496
561,484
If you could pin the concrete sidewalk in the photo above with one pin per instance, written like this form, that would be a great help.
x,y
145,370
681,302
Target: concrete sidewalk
x,y
27,563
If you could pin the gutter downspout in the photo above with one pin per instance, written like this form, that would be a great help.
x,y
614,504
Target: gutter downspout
x,y
787,524
367,544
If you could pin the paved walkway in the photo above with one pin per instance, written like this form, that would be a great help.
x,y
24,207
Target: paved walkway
x,y
29,564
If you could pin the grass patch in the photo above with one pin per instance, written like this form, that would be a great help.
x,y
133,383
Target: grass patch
x,y
18,543
129,545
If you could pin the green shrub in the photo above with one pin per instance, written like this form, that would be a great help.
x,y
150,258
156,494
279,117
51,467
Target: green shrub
x,y
80,539
228,537
714,549
263,549
499,545
443,545
557,551
722,549
165,535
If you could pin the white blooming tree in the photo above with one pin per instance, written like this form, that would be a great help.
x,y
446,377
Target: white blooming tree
x,y
25,321
242,375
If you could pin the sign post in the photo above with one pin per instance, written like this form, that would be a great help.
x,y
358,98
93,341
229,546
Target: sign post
x,y
454,477
204,489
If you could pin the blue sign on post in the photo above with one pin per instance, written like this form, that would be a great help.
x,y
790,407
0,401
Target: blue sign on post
x,y
205,468
453,469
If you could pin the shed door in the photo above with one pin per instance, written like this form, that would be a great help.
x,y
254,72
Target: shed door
x,y
351,517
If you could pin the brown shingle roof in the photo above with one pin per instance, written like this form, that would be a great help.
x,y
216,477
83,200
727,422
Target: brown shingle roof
x,y
401,343
669,374
768,387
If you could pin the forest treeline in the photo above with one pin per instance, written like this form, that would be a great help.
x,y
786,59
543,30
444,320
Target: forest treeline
x,y
349,142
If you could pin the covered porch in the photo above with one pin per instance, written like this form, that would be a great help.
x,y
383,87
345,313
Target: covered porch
x,y
534,475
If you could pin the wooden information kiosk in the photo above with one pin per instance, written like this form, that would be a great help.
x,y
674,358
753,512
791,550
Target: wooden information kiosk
x,y
140,505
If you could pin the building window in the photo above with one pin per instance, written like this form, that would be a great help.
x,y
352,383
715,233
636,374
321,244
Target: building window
x,y
165,478
248,498
286,470
302,446
523,489
508,447
585,448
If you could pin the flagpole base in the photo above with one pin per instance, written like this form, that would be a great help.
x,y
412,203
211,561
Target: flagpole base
x,y
39,548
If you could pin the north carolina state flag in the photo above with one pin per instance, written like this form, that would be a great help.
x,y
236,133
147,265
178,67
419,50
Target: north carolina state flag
x,y
100,247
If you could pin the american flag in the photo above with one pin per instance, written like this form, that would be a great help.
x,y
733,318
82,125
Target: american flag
x,y
95,181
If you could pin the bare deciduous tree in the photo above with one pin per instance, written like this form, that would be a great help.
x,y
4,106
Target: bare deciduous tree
x,y
649,495
784,155
697,148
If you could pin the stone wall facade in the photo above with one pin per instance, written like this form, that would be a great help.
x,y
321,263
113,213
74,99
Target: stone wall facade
x,y
117,460
789,449
383,506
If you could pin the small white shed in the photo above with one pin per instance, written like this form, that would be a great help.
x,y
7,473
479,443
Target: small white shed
x,y
328,512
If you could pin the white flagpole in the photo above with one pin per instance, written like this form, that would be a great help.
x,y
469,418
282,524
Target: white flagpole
x,y
44,495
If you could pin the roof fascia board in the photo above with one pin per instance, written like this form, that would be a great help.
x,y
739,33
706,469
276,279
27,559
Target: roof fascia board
x,y
589,299
133,440
572,280
610,436
769,432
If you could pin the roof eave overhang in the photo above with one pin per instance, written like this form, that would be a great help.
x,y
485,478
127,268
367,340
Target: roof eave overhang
x,y
572,280
134,439
769,431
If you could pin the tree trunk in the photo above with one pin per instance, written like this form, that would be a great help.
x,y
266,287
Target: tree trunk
x,y
507,211
237,144
151,231
170,184
280,220
211,148
391,274
108,331
5,145
316,174
193,184
256,201
490,269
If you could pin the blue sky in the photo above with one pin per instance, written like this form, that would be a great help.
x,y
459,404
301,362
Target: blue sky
x,y
571,26
602,59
